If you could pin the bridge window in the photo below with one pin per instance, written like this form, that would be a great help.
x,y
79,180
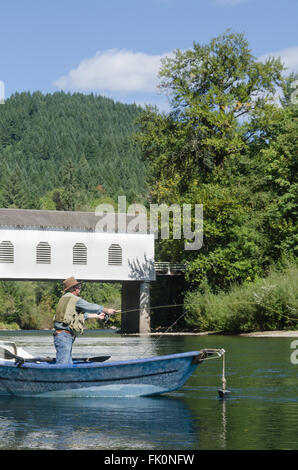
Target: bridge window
x,y
43,253
6,252
115,255
79,254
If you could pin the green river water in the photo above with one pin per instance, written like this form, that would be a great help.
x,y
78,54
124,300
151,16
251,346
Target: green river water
x,y
260,413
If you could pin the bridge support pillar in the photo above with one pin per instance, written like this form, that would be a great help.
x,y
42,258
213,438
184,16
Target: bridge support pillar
x,y
144,320
135,307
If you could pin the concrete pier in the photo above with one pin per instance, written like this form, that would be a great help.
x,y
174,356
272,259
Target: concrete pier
x,y
144,319
135,308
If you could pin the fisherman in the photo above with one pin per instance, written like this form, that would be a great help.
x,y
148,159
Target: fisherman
x,y
71,313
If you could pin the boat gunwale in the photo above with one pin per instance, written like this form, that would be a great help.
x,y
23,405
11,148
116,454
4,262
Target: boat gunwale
x,y
86,365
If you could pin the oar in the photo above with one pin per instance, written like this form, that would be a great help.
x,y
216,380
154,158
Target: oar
x,y
22,360
92,359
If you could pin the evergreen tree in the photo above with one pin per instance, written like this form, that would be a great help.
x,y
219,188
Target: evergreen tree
x,y
14,191
39,132
67,198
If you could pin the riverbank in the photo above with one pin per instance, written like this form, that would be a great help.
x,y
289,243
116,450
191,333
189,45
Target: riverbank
x,y
272,334
255,334
265,304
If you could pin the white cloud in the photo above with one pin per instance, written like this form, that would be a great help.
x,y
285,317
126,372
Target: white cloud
x,y
289,57
114,70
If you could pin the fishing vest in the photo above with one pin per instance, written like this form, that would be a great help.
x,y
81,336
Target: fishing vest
x,y
66,313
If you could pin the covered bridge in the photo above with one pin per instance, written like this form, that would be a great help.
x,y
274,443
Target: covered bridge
x,y
53,245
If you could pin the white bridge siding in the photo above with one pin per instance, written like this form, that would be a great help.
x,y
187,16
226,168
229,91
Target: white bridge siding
x,y
55,255
54,245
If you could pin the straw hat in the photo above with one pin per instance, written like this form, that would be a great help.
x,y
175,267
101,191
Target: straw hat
x,y
69,282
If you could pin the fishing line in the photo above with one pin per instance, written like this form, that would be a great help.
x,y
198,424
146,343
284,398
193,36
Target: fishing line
x,y
160,336
223,392
184,313
230,303
154,308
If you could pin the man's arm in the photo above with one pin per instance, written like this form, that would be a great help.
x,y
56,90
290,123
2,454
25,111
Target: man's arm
x,y
93,310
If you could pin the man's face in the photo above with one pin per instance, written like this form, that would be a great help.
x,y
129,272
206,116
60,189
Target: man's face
x,y
77,290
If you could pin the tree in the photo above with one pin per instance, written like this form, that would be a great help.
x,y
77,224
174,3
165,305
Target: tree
x,y
39,132
67,198
215,91
17,192
209,150
280,169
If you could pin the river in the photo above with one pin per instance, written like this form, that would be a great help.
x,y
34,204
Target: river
x,y
261,411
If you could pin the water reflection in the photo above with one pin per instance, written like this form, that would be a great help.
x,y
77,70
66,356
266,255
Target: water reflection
x,y
223,433
260,413
138,423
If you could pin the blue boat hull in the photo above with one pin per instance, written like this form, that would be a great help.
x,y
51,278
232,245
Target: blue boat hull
x,y
139,377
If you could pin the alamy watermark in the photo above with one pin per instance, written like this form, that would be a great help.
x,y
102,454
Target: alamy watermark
x,y
294,94
294,355
173,221
2,92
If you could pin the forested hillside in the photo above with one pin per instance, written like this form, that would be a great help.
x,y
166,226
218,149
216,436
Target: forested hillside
x,y
51,144
64,152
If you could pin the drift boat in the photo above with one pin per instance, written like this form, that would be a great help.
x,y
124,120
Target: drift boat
x,y
24,375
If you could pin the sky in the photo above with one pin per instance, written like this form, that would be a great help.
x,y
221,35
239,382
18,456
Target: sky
x,y
114,47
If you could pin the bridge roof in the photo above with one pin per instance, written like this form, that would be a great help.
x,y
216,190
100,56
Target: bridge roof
x,y
63,220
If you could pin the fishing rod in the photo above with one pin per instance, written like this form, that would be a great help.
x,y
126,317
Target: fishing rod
x,y
230,303
107,316
160,336
222,392
184,313
151,308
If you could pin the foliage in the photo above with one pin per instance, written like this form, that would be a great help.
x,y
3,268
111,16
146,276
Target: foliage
x,y
280,168
216,92
19,306
69,146
269,303
107,294
225,144
9,326
64,152
32,305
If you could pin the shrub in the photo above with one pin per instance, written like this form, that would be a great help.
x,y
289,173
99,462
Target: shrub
x,y
265,304
9,326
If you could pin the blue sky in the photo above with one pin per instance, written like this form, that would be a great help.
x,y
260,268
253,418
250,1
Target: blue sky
x,y
113,47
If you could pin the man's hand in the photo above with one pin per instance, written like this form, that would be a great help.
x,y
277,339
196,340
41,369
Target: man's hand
x,y
110,311
107,311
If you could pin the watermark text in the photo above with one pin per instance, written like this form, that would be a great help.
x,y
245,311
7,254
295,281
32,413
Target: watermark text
x,y
294,94
294,355
162,221
2,92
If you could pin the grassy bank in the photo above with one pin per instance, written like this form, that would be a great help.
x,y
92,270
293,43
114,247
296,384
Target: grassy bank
x,y
265,304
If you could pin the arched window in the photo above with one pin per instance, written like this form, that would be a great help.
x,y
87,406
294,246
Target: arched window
x,y
79,254
115,255
6,252
43,253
